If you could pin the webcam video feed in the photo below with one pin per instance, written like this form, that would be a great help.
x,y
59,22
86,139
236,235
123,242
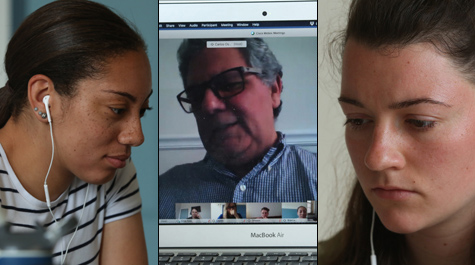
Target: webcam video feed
x,y
238,129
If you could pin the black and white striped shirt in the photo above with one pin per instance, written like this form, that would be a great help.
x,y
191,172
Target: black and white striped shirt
x,y
115,200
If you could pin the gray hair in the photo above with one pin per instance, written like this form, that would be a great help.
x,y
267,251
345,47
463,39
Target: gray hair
x,y
257,54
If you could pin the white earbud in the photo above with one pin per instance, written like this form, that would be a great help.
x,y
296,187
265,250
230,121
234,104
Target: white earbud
x,y
48,201
46,102
45,186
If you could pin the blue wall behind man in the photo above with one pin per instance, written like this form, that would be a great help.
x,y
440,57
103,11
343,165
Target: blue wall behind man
x,y
144,15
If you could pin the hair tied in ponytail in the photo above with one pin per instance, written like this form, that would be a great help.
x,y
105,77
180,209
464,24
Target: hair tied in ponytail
x,y
6,94
8,88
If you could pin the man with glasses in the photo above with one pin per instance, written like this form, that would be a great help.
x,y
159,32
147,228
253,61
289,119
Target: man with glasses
x,y
234,95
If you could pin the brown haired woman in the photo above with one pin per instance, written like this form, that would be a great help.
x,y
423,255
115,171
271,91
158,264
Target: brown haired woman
x,y
69,156
230,212
408,94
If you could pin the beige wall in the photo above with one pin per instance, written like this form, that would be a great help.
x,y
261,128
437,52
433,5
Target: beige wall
x,y
333,161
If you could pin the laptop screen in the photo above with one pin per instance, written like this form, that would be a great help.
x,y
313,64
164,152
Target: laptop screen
x,y
289,29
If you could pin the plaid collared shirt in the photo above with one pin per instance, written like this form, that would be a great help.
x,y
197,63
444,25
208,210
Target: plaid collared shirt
x,y
287,173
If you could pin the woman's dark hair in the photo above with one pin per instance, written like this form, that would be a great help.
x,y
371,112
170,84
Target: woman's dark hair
x,y
257,54
225,213
67,41
449,25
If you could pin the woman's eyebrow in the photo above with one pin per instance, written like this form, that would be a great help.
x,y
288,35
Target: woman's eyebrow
x,y
411,102
397,105
127,95
350,101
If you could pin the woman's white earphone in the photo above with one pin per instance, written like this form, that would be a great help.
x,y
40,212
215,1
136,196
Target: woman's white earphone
x,y
46,102
48,201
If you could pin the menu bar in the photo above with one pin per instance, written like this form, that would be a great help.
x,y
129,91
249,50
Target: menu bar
x,y
239,25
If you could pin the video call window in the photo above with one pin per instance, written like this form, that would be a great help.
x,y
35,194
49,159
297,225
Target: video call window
x,y
183,156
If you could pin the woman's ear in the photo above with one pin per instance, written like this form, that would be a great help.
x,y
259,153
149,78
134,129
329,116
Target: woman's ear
x,y
38,87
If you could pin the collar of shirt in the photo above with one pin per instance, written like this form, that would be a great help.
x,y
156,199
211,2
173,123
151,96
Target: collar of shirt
x,y
266,162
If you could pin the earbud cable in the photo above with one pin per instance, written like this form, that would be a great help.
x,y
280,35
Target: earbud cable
x,y
52,152
77,226
373,255
48,201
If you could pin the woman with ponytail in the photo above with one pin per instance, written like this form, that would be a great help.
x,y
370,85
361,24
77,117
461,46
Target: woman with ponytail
x,y
79,80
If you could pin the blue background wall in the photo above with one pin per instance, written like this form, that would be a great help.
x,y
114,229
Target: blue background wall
x,y
289,213
144,15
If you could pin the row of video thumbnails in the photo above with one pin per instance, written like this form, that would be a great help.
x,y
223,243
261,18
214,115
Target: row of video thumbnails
x,y
244,212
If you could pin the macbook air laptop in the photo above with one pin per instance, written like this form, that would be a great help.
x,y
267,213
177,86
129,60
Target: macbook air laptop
x,y
285,236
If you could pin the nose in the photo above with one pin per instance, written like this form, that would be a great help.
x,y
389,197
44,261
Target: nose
x,y
132,133
211,103
385,149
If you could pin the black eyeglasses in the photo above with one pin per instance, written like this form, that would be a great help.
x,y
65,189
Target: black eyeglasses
x,y
224,85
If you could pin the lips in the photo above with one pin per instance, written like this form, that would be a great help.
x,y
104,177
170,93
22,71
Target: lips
x,y
118,161
222,127
393,193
